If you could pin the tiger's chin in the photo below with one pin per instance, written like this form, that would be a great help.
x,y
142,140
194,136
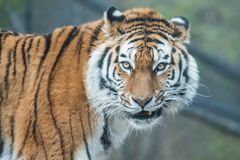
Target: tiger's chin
x,y
144,119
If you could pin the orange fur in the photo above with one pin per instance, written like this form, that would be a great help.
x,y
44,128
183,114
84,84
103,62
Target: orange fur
x,y
44,109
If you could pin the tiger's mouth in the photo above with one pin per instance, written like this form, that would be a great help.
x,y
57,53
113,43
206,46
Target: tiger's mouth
x,y
143,115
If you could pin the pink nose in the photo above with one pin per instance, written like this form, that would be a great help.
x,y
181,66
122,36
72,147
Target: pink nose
x,y
142,102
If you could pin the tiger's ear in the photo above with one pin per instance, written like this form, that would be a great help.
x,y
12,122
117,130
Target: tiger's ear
x,y
182,28
113,19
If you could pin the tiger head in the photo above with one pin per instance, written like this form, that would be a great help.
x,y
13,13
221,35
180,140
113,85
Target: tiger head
x,y
143,68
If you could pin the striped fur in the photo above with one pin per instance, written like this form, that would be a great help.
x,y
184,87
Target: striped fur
x,y
74,93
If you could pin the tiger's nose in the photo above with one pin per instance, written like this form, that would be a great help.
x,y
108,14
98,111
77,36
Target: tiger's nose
x,y
142,102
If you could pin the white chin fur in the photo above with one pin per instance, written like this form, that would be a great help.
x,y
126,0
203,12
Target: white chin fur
x,y
144,124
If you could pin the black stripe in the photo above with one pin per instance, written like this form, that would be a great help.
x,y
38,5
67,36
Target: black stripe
x,y
6,78
154,40
44,56
141,26
100,63
144,25
146,29
176,34
89,120
185,71
182,93
185,74
147,19
117,49
166,56
160,97
135,33
137,39
108,65
177,84
35,111
60,33
24,140
2,40
69,38
12,126
121,32
34,124
172,60
174,50
138,29
84,138
103,84
72,149
80,44
114,74
24,63
163,36
123,56
105,138
1,138
37,45
165,105
173,75
94,36
14,57
1,45
116,59
78,50
28,50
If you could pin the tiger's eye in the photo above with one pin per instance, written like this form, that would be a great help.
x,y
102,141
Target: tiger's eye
x,y
126,65
161,66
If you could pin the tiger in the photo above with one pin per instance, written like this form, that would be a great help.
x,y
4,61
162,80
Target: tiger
x,y
76,93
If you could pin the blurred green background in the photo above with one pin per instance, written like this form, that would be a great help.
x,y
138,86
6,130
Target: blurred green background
x,y
210,128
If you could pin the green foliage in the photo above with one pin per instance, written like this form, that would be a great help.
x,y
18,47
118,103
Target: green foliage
x,y
16,4
5,5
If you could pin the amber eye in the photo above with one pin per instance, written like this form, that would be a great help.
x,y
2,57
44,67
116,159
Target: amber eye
x,y
126,65
161,67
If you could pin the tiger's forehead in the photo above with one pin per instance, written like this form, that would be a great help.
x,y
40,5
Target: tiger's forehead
x,y
148,47
144,39
147,20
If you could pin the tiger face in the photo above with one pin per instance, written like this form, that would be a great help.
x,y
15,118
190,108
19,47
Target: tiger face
x,y
143,70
